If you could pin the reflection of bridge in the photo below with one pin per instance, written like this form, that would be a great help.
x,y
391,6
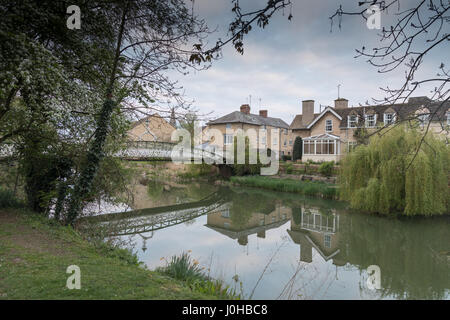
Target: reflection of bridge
x,y
152,219
149,150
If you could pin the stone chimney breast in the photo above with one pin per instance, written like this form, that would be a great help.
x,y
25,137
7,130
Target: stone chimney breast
x,y
307,112
245,108
341,103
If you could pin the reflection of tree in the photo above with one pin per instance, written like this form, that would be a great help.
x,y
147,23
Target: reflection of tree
x,y
246,204
404,251
297,215
154,189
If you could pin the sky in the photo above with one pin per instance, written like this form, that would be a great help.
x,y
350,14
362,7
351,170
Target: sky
x,y
291,61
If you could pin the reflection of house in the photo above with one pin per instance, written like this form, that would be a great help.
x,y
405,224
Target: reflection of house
x,y
316,230
221,221
151,128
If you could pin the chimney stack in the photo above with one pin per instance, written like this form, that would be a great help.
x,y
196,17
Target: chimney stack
x,y
341,103
307,112
245,108
263,113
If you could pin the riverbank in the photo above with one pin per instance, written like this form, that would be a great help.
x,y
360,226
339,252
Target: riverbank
x,y
35,253
309,188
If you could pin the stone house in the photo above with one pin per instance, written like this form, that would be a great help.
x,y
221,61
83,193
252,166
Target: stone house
x,y
263,131
151,128
331,133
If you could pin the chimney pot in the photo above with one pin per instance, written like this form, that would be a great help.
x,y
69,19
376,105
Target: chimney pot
x,y
263,113
245,108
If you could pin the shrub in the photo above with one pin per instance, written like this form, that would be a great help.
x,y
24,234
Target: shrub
x,y
298,149
183,268
188,270
8,200
326,168
289,169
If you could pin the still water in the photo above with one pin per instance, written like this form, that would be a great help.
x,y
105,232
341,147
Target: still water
x,y
285,246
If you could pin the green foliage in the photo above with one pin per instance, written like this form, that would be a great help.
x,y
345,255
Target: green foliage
x,y
8,199
298,149
197,171
247,167
326,168
289,169
186,269
183,267
287,185
376,177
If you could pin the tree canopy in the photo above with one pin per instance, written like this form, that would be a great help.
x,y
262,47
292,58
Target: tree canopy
x,y
380,177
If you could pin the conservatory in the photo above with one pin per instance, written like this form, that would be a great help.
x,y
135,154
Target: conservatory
x,y
324,147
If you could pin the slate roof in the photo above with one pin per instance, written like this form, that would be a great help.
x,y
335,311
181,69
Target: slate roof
x,y
241,117
403,111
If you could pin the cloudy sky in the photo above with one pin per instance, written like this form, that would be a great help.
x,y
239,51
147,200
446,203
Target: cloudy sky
x,y
290,61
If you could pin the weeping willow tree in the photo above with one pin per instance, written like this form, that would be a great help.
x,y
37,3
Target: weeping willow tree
x,y
393,174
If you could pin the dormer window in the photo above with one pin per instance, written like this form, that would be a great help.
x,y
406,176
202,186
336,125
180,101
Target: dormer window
x,y
329,125
389,118
352,121
371,120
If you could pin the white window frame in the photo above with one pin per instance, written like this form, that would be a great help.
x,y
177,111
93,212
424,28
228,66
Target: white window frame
x,y
263,140
327,240
328,123
350,122
386,121
368,121
225,140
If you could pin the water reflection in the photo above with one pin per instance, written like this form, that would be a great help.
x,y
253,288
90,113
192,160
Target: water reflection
x,y
413,254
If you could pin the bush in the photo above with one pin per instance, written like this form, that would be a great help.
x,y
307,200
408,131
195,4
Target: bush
x,y
298,149
396,172
289,169
183,268
8,200
326,168
286,157
188,270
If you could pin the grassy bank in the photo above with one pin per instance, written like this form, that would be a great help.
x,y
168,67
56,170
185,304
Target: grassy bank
x,y
308,188
35,253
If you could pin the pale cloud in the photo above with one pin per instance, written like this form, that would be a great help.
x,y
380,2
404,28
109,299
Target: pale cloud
x,y
288,62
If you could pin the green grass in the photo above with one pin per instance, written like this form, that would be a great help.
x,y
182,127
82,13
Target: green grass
x,y
184,268
308,188
35,253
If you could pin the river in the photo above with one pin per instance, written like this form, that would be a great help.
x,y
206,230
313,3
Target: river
x,y
271,245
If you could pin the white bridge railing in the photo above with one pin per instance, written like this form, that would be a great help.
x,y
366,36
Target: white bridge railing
x,y
165,150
